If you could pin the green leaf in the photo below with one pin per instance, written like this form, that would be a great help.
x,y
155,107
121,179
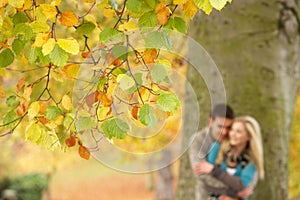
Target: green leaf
x,y
19,18
120,52
118,71
6,57
114,128
42,58
218,4
33,132
148,19
139,79
158,73
110,35
134,5
151,3
33,55
17,46
85,28
157,40
168,102
58,56
146,116
180,25
85,123
52,112
101,84
125,81
23,31
12,101
170,24
9,118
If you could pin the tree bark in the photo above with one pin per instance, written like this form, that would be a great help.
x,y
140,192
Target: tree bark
x,y
255,44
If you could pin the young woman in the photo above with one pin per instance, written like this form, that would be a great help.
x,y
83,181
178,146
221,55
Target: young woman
x,y
238,161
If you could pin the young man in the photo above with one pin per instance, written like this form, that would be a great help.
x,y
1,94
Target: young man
x,y
219,125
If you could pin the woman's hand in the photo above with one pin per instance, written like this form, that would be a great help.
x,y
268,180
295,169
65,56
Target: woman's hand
x,y
203,167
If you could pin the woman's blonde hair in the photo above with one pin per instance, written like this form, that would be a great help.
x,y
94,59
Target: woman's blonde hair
x,y
255,149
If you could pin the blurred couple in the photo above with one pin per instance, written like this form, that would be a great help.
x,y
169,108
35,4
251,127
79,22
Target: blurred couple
x,y
227,156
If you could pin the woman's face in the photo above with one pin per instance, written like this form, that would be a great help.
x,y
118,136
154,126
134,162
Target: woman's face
x,y
238,134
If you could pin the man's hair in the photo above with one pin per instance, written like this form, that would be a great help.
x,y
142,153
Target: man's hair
x,y
222,110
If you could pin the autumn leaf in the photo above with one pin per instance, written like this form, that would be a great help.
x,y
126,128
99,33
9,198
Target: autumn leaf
x,y
105,101
21,109
92,98
163,13
43,120
86,54
149,55
69,45
66,102
179,2
33,110
134,112
68,19
109,13
84,152
48,47
2,92
21,84
71,70
128,27
103,112
71,141
190,9
43,107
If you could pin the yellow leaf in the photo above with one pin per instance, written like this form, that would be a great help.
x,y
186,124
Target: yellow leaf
x,y
66,102
69,45
16,3
48,46
190,9
33,109
102,4
218,4
59,120
56,2
57,74
88,1
40,39
51,125
102,112
109,13
205,6
71,70
39,27
128,27
2,92
33,132
2,71
49,11
68,19
177,2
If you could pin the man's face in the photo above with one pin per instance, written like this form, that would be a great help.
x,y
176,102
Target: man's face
x,y
220,127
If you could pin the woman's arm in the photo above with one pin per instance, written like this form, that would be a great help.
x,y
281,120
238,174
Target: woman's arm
x,y
237,183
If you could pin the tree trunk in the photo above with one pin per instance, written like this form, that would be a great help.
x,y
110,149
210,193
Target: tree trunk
x,y
255,44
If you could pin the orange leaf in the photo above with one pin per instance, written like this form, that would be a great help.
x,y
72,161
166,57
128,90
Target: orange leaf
x,y
163,13
104,99
109,13
86,54
71,141
150,55
43,120
190,9
68,19
84,152
21,84
22,108
43,107
134,112
92,98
